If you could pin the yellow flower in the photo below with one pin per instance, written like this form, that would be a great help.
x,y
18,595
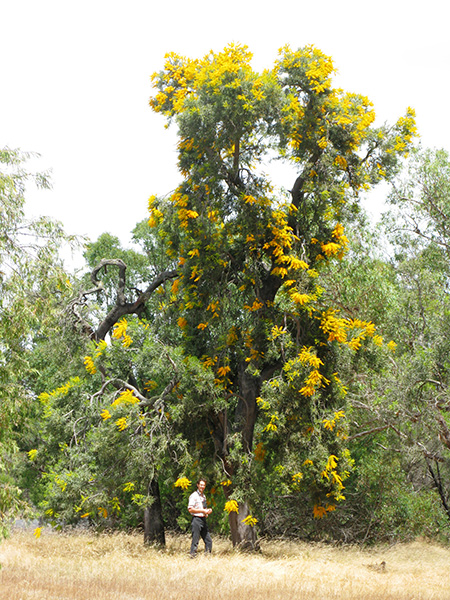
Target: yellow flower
x,y
262,404
100,348
257,304
122,423
341,162
331,248
271,426
127,341
276,332
392,346
175,286
280,271
222,371
182,322
105,414
226,483
32,454
37,532
332,462
295,263
209,361
297,477
319,511
120,328
89,365
249,520
378,340
337,479
300,298
182,482
231,506
125,397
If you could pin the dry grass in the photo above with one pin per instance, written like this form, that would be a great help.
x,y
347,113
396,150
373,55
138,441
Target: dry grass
x,y
119,567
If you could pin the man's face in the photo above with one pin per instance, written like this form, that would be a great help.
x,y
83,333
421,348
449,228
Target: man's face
x,y
201,486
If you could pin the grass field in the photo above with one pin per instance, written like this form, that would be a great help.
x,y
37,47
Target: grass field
x,y
119,567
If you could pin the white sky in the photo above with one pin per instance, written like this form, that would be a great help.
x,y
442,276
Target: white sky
x,y
75,83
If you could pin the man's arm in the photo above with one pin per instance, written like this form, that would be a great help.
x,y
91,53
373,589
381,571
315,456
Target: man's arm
x,y
205,511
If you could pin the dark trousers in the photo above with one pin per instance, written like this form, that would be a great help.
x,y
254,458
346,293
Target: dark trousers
x,y
200,529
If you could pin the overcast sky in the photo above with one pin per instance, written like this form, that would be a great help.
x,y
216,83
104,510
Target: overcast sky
x,y
75,83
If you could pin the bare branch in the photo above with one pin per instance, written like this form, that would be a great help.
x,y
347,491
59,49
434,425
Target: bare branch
x,y
128,308
368,432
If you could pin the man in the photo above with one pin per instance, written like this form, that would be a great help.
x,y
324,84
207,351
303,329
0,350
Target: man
x,y
199,511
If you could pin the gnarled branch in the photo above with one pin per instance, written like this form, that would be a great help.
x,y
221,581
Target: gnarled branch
x,y
122,306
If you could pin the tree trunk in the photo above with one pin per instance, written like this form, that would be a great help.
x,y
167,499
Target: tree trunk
x,y
243,536
246,409
153,520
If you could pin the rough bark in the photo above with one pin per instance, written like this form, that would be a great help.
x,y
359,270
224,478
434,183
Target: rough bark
x,y
154,533
246,410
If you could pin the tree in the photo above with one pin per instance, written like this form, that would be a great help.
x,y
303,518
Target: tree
x,y
399,408
420,208
248,257
112,432
31,279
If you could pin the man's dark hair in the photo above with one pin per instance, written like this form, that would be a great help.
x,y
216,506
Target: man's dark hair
x,y
201,479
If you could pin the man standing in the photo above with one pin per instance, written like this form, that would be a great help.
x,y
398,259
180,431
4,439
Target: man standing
x,y
199,511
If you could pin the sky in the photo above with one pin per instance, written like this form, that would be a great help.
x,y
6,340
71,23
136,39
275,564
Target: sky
x,y
75,84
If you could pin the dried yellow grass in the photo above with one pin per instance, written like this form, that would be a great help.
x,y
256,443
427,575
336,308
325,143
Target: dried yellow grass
x,y
119,567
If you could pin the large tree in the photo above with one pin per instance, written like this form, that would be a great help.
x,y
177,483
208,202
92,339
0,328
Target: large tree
x,y
31,279
410,399
248,297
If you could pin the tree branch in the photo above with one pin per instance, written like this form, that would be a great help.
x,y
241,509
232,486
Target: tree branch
x,y
128,308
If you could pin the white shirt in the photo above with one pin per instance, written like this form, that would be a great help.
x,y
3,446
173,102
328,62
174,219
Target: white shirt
x,y
196,501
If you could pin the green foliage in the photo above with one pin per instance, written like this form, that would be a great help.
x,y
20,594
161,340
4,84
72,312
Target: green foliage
x,y
32,281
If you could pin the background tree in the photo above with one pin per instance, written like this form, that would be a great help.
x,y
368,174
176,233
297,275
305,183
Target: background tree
x,y
399,414
32,278
113,433
388,488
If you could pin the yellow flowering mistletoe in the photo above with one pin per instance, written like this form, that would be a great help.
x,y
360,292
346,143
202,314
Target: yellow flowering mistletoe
x,y
182,482
248,300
